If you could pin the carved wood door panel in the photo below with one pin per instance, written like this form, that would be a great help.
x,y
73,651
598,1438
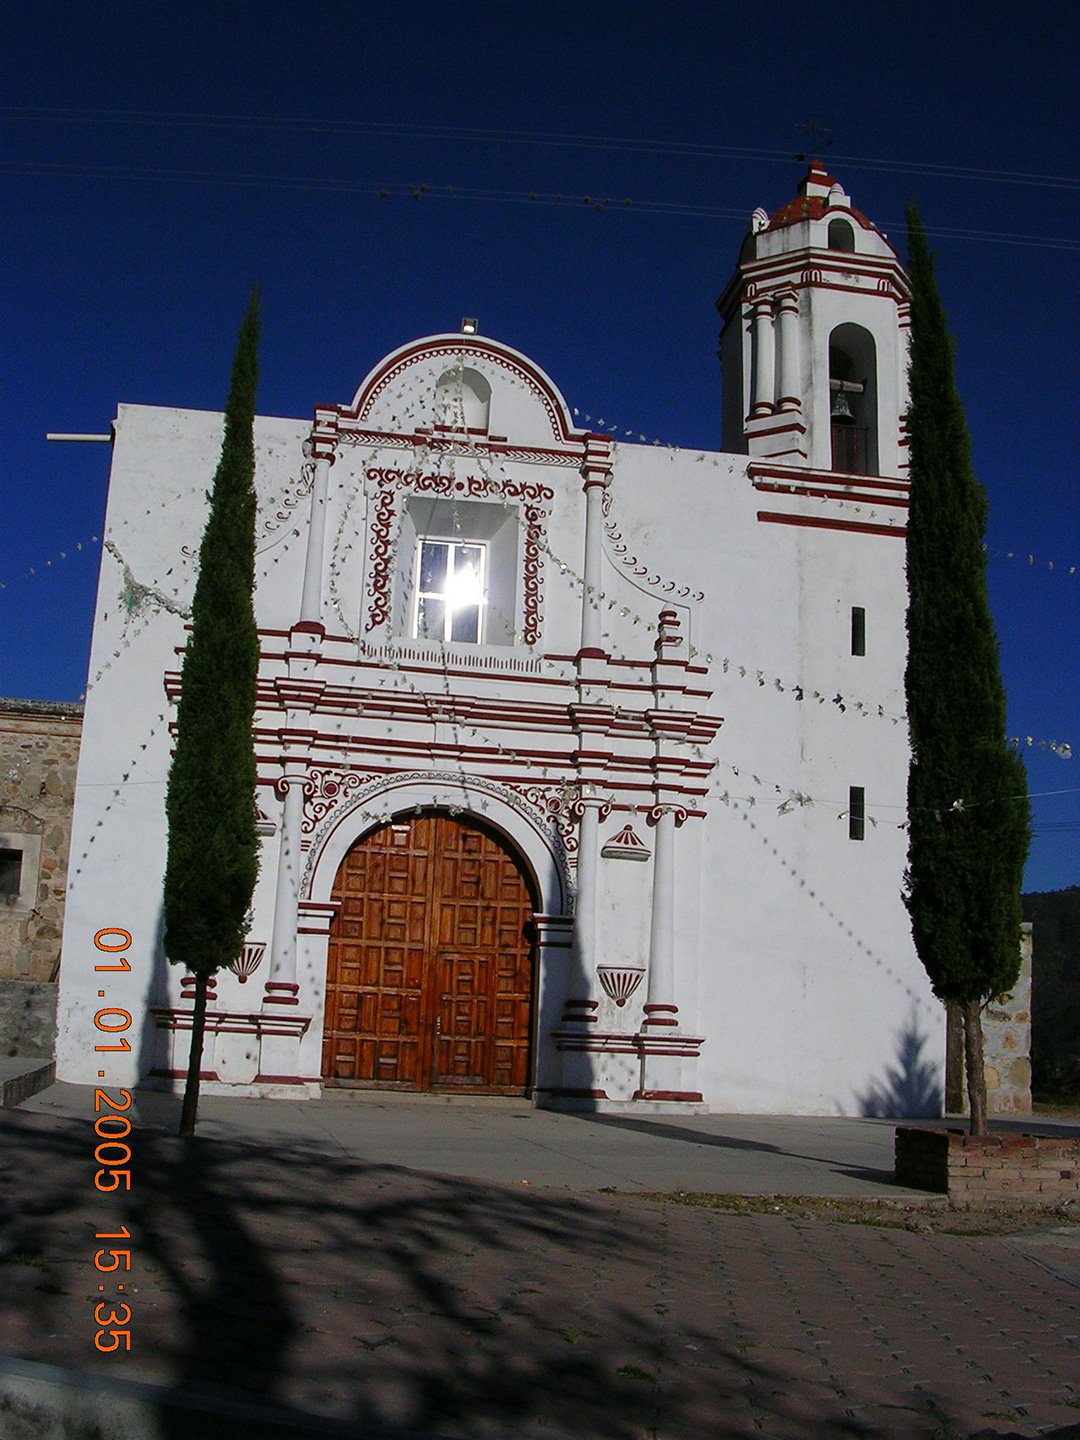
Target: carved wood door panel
x,y
429,976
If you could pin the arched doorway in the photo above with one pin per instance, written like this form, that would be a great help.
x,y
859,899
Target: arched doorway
x,y
430,967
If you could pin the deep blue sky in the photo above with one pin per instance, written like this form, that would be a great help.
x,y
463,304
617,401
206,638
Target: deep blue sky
x,y
134,224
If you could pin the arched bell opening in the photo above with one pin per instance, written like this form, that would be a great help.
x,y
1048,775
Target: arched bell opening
x,y
431,966
853,400
463,401
841,236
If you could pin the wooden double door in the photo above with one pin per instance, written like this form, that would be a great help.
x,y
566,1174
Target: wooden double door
x,y
430,966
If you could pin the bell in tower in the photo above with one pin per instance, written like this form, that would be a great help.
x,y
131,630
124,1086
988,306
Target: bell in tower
x,y
814,346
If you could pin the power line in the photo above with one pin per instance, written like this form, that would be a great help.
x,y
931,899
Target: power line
x,y
546,138
566,200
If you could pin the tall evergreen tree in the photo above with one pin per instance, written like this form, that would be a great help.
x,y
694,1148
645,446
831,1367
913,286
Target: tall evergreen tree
x,y
968,809
213,856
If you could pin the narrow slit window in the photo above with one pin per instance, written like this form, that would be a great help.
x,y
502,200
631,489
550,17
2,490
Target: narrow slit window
x,y
858,630
856,813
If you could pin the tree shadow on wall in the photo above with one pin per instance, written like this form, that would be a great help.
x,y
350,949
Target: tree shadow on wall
x,y
910,1089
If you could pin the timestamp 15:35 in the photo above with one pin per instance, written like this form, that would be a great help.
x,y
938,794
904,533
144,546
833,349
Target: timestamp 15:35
x,y
112,1130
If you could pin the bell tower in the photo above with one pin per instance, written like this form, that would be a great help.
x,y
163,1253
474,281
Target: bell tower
x,y
813,351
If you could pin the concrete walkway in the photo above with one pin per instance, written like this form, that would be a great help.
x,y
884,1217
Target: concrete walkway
x,y
510,1142
291,1277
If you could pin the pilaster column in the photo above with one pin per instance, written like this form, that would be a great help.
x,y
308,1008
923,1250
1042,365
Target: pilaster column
x,y
597,472
764,362
787,387
281,987
660,1008
585,909
581,1002
311,600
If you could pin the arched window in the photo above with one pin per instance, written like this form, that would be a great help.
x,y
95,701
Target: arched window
x,y
841,236
463,401
853,400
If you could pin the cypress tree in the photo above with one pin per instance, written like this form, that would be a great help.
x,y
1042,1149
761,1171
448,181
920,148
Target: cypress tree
x,y
968,808
213,855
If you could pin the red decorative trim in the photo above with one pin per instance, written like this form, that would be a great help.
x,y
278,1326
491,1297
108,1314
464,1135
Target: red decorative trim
x,y
620,981
534,496
262,1079
463,347
689,1097
759,432
331,788
472,487
821,523
819,494
285,506
457,429
641,571
182,1074
567,1092
803,474
229,1022
575,1013
603,1042
532,573
381,550
496,445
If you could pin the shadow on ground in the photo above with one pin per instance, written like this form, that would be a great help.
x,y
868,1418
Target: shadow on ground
x,y
688,1135
400,1303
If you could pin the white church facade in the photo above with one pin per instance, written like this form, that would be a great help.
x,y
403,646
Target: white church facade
x,y
582,763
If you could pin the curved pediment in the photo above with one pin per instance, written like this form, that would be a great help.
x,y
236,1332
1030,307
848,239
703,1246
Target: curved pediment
x,y
462,384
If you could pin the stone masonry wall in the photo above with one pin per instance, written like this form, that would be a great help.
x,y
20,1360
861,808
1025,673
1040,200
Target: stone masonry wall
x,y
27,1019
39,754
1006,1047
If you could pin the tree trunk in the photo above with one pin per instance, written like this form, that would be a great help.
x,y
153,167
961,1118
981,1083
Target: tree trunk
x,y
973,1058
198,1029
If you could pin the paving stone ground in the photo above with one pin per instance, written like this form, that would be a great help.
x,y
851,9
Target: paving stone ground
x,y
415,1303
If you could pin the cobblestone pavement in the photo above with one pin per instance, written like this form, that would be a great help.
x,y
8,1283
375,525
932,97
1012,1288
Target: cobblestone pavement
x,y
407,1302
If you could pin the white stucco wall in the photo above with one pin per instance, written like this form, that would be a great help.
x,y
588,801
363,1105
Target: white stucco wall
x,y
793,962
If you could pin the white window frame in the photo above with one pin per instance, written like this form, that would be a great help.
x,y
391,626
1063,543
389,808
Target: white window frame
x,y
454,544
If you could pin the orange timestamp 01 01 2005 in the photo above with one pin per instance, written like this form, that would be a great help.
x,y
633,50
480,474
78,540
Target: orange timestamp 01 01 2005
x,y
112,1152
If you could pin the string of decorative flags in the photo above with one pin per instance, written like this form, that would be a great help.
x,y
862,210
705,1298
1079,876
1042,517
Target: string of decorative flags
x,y
136,598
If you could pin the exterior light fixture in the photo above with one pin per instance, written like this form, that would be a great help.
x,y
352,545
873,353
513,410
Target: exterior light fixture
x,y
469,326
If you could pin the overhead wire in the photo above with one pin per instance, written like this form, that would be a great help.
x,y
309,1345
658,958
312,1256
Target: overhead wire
x,y
567,199
496,135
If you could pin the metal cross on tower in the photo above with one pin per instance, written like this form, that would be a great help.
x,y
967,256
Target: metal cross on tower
x,y
820,136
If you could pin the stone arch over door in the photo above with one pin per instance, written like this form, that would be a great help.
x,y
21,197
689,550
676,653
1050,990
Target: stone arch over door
x,y
431,964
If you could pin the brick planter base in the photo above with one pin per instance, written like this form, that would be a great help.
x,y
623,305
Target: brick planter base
x,y
990,1170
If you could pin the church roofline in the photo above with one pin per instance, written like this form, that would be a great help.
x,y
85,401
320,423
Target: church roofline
x,y
446,346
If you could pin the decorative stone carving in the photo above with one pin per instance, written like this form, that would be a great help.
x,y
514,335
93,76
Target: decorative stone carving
x,y
535,498
329,789
620,981
626,845
249,960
